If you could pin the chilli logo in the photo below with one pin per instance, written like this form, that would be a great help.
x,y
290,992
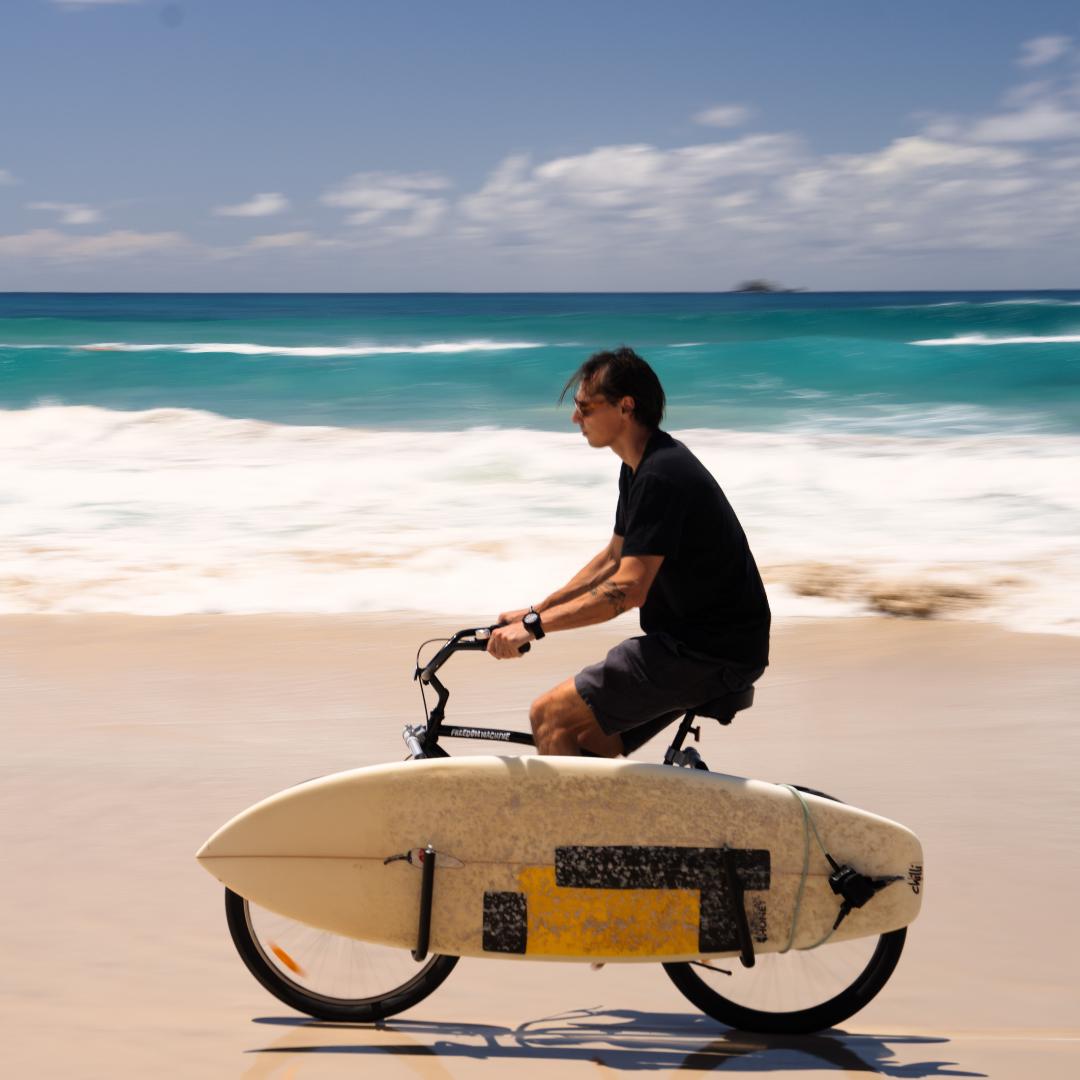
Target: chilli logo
x,y
915,876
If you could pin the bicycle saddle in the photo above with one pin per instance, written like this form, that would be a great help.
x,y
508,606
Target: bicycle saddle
x,y
724,708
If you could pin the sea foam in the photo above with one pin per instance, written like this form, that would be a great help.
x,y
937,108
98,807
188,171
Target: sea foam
x,y
983,339
242,348
171,510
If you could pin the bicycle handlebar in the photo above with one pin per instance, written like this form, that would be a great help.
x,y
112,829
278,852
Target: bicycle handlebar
x,y
475,640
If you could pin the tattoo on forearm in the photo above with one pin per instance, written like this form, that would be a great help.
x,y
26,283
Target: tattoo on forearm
x,y
613,594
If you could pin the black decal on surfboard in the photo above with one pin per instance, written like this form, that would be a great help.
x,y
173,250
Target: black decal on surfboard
x,y
506,922
670,868
915,876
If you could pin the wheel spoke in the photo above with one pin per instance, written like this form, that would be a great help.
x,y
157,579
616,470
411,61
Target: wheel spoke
x,y
789,982
798,991
328,966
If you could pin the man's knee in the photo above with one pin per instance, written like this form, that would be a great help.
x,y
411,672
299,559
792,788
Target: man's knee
x,y
543,713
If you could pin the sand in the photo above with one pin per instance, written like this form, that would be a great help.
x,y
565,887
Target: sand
x,y
127,741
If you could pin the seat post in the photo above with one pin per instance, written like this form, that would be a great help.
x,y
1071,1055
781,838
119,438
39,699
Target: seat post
x,y
680,736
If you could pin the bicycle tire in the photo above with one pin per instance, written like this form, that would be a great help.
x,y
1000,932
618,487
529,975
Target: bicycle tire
x,y
824,1015
326,1006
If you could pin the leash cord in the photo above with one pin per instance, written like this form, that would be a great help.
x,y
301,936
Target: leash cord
x,y
808,824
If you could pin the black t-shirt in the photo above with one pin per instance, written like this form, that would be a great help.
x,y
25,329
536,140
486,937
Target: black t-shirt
x,y
708,592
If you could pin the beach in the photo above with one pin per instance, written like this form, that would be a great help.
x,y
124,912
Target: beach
x,y
129,739
230,520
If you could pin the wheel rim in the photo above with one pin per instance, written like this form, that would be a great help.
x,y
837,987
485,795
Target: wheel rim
x,y
334,969
793,981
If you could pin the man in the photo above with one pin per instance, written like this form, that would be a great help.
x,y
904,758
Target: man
x,y
678,553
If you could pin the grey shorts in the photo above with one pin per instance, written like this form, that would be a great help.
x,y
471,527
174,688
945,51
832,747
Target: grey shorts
x,y
653,680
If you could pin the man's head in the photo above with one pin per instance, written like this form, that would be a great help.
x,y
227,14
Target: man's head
x,y
615,389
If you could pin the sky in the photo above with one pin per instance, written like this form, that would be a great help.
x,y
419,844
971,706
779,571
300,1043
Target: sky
x,y
414,145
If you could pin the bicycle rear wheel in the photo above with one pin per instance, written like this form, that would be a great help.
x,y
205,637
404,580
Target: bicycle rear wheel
x,y
326,975
792,993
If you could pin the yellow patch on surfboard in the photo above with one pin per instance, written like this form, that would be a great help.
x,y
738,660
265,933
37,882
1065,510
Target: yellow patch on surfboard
x,y
607,922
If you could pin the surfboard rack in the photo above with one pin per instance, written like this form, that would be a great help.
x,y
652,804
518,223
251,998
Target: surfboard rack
x,y
427,889
738,906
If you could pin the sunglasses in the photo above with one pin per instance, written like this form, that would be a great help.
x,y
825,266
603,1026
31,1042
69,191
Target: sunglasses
x,y
586,407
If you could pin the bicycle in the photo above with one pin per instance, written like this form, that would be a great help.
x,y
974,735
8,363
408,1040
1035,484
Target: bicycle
x,y
797,990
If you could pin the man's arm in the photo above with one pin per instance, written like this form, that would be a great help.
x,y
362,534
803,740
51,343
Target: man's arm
x,y
595,601
592,573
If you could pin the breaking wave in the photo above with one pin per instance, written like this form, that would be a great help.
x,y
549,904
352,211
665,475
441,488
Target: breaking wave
x,y
447,348
169,511
982,339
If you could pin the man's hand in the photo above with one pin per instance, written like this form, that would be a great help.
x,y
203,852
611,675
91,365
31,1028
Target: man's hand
x,y
505,643
513,616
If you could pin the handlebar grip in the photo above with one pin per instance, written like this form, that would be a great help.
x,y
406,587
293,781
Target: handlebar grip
x,y
524,648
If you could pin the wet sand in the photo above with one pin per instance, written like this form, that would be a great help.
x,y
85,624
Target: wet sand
x,y
127,741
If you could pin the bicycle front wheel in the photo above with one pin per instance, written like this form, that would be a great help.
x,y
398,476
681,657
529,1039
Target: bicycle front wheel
x,y
326,975
792,993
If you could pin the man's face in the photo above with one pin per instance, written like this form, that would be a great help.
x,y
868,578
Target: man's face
x,y
600,421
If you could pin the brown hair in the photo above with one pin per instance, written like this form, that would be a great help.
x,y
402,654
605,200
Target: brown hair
x,y
618,374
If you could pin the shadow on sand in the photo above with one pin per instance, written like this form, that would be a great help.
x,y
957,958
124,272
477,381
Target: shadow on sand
x,y
612,1042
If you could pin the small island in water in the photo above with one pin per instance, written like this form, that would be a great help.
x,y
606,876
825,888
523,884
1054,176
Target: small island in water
x,y
761,285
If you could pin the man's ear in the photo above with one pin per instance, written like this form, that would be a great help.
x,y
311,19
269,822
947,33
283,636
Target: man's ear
x,y
626,406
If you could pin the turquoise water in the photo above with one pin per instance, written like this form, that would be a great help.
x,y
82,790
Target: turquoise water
x,y
167,454
796,362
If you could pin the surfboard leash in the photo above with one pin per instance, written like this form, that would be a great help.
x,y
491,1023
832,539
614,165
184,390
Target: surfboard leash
x,y
807,822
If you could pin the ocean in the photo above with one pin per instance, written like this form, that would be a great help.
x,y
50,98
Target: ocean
x,y
900,453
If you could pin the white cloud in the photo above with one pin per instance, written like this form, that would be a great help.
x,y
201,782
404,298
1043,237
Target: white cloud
x,y
723,116
8,178
61,247
1043,50
70,213
1041,111
623,190
914,153
280,240
765,196
395,203
262,205
1042,121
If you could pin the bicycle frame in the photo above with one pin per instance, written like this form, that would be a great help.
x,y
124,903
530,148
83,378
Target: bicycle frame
x,y
423,739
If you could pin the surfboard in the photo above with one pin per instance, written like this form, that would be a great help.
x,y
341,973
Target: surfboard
x,y
576,859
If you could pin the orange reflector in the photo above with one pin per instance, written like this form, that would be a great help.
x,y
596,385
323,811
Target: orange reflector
x,y
286,959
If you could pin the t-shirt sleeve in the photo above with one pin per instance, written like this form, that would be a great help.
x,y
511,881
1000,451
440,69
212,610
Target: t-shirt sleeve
x,y
620,509
655,525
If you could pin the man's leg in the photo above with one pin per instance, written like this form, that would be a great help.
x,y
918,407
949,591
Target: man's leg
x,y
563,725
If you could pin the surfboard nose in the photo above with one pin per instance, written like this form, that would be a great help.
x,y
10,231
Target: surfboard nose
x,y
225,841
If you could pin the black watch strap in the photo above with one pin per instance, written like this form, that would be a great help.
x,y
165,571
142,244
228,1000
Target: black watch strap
x,y
531,621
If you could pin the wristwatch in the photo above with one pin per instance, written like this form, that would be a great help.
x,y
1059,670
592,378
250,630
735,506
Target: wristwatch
x,y
531,620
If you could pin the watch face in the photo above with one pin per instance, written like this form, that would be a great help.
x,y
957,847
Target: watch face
x,y
531,618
